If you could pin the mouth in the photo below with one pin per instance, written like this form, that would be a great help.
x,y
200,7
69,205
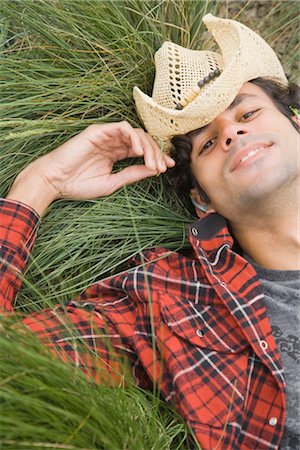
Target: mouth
x,y
248,154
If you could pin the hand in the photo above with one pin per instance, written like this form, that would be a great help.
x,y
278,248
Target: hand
x,y
82,167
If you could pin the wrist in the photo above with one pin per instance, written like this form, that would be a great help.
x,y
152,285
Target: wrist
x,y
32,189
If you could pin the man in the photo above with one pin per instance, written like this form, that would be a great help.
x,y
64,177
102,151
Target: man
x,y
199,326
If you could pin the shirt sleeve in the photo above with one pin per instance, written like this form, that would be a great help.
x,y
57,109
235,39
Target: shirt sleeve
x,y
18,230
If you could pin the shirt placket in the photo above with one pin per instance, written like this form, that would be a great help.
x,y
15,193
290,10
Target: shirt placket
x,y
223,268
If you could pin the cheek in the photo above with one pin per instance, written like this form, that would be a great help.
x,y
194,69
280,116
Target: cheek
x,y
207,172
199,171
209,176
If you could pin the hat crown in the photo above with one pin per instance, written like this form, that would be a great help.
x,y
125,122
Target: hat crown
x,y
178,70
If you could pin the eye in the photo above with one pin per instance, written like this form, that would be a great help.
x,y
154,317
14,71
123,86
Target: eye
x,y
248,115
207,146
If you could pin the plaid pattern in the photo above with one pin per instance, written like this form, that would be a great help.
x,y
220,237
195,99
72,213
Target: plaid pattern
x,y
195,326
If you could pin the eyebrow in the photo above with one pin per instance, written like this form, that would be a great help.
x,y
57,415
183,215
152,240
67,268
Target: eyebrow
x,y
238,99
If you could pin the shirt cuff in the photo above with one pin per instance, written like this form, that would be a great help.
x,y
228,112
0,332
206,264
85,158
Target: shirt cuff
x,y
19,224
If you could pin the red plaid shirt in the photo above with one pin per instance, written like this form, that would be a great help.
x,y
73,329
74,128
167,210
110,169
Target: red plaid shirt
x,y
195,326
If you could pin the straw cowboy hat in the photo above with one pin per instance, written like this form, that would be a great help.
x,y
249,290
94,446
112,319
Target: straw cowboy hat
x,y
192,87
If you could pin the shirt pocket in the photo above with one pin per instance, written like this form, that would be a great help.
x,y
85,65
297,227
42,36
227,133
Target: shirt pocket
x,y
209,364
211,327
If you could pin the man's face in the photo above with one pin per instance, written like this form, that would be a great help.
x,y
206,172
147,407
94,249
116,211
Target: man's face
x,y
246,154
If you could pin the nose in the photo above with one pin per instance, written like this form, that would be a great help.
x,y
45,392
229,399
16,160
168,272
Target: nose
x,y
230,132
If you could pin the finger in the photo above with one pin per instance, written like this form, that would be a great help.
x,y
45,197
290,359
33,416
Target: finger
x,y
131,175
143,144
152,154
121,140
133,139
170,162
158,154
161,160
136,144
149,152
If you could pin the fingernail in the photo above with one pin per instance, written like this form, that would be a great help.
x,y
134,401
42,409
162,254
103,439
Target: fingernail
x,y
171,160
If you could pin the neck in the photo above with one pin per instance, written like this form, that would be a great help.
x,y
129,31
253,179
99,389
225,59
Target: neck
x,y
272,242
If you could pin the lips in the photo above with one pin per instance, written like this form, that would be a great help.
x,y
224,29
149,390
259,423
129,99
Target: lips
x,y
247,152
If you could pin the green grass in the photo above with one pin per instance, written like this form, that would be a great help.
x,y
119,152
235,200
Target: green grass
x,y
65,65
48,404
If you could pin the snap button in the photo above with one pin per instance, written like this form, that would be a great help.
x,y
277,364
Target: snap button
x,y
200,333
264,345
195,231
223,284
273,421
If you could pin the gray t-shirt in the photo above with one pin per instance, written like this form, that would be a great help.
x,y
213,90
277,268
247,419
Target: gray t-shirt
x,y
282,299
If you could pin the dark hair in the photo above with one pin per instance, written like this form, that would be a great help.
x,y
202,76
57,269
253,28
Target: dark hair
x,y
181,178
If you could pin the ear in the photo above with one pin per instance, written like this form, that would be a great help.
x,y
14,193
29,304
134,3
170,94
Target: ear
x,y
201,208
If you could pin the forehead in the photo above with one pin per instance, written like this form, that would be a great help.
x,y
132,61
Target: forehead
x,y
253,89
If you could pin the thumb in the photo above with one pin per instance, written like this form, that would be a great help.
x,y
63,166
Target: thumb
x,y
130,175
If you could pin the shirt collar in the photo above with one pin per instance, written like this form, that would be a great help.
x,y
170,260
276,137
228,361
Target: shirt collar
x,y
210,233
208,227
